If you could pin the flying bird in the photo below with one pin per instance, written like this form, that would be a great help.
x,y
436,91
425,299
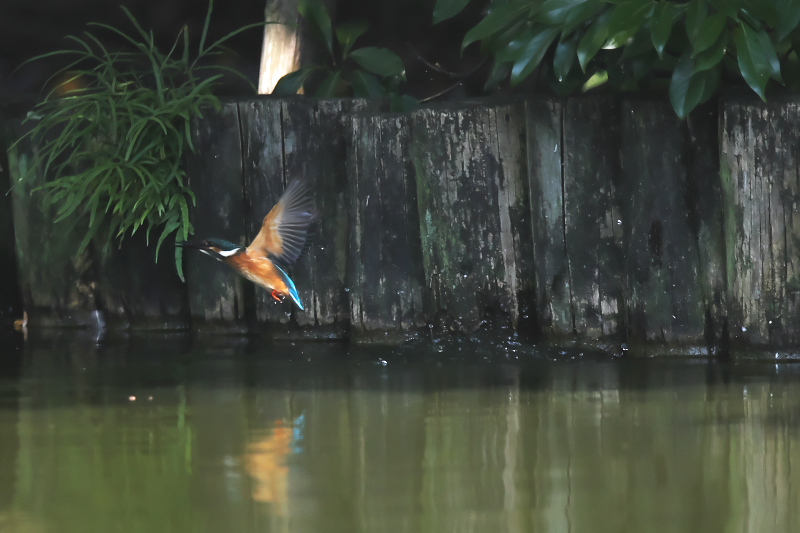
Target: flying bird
x,y
281,241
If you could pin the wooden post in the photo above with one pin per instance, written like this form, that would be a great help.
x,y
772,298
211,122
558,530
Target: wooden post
x,y
58,287
545,175
384,260
217,295
592,218
474,215
762,226
665,295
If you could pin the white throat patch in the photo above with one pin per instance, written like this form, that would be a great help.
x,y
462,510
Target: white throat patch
x,y
228,253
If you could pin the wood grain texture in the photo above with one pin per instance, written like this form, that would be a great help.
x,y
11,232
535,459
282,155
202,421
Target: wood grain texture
x,y
592,219
761,191
474,214
665,296
301,137
216,294
384,262
58,287
543,120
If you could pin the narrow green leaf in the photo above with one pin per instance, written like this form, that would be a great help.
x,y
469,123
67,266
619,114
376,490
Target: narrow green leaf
x,y
445,9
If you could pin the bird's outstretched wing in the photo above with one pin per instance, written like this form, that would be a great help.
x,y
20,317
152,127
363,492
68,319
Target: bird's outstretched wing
x,y
284,232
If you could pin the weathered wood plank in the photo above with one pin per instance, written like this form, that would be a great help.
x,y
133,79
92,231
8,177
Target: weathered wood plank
x,y
262,155
665,299
58,287
295,137
545,154
593,224
217,296
384,263
474,214
761,192
10,298
135,292
706,217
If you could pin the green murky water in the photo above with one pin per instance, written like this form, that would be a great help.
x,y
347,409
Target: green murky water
x,y
177,436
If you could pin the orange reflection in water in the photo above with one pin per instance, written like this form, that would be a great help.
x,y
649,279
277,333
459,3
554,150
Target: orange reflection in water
x,y
265,462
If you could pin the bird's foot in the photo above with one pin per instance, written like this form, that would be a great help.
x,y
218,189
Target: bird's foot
x,y
277,296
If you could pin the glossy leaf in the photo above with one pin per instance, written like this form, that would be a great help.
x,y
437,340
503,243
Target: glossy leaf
x,y
593,40
499,19
789,19
664,15
291,83
708,33
753,63
314,11
328,87
769,52
445,9
380,61
713,54
696,13
348,32
565,56
365,85
628,16
532,53
685,90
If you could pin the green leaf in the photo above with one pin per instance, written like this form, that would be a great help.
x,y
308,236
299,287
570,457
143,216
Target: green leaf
x,y
291,83
714,54
664,16
380,61
498,19
593,40
314,11
500,71
349,32
445,9
709,33
696,13
565,56
365,85
328,88
769,52
532,53
627,18
688,88
753,63
789,19
402,103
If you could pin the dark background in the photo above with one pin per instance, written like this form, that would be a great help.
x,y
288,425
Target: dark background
x,y
32,27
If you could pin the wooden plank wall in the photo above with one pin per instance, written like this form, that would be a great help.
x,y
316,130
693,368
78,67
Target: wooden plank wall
x,y
589,219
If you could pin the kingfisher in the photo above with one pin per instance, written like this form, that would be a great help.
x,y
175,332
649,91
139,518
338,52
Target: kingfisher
x,y
281,241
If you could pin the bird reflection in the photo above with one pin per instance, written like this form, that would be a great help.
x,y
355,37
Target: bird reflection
x,y
265,461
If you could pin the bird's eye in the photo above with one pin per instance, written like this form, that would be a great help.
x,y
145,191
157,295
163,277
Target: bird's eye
x,y
207,243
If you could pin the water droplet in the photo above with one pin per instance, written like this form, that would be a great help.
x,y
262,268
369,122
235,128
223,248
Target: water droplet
x,y
744,328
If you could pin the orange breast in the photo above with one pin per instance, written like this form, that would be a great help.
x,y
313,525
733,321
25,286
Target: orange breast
x,y
259,270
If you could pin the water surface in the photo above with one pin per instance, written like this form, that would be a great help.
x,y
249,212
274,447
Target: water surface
x,y
170,434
